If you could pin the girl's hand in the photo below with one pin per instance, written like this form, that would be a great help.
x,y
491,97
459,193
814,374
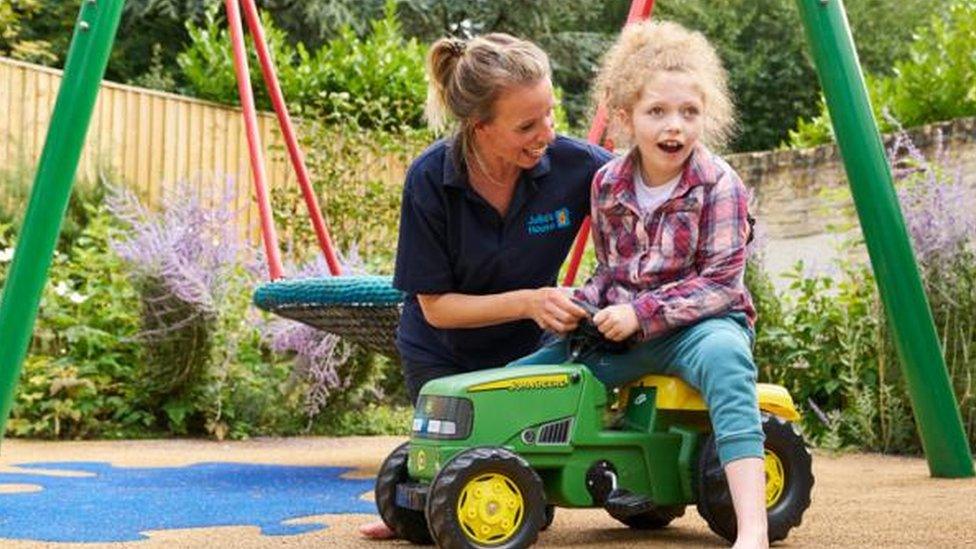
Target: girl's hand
x,y
617,322
553,310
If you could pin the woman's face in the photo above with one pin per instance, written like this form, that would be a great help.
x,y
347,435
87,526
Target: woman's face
x,y
521,127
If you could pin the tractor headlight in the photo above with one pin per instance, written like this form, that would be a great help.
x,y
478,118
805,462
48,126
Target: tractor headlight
x,y
441,417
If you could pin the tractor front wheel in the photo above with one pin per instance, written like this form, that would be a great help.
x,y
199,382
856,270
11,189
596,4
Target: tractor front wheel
x,y
486,497
408,524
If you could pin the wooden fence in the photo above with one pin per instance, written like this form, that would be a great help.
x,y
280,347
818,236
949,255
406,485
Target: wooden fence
x,y
150,140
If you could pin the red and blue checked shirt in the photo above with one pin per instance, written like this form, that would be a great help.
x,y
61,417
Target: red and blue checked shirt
x,y
680,263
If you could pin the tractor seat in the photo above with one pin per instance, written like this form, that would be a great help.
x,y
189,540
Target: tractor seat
x,y
672,393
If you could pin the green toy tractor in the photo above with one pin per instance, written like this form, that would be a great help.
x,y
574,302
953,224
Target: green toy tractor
x,y
493,452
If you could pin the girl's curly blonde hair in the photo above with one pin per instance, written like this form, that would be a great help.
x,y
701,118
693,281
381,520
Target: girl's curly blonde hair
x,y
650,47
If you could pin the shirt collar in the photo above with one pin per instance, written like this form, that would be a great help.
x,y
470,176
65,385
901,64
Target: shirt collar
x,y
699,169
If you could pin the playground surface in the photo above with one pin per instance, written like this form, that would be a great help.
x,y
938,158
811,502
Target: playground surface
x,y
315,492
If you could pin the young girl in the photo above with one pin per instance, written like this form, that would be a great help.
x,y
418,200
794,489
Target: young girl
x,y
670,230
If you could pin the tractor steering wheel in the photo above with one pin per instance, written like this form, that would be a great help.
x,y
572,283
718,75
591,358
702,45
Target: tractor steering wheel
x,y
586,338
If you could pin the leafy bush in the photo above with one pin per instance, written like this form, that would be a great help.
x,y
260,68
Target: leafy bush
x,y
351,172
935,82
147,329
78,380
183,262
827,340
372,82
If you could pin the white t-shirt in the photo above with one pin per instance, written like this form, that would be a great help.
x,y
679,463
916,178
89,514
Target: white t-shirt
x,y
649,198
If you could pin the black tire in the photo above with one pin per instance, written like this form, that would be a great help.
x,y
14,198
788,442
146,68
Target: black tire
x,y
408,524
715,501
445,491
550,516
655,519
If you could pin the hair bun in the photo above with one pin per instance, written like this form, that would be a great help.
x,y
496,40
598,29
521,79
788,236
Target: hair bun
x,y
458,45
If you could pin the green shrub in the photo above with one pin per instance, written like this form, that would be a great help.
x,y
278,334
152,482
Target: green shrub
x,y
351,173
372,82
830,348
936,82
78,380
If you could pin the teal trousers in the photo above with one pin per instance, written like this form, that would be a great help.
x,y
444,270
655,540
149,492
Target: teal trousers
x,y
714,356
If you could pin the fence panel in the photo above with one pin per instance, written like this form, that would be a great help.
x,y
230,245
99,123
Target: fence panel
x,y
149,140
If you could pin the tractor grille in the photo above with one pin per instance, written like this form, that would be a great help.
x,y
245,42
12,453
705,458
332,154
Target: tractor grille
x,y
556,432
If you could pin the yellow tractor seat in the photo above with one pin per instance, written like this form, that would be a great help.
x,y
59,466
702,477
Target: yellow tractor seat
x,y
674,394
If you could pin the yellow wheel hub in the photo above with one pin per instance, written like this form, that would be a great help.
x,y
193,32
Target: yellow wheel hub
x,y
775,479
490,509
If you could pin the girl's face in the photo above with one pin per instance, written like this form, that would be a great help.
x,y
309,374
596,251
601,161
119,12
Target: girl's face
x,y
665,123
521,128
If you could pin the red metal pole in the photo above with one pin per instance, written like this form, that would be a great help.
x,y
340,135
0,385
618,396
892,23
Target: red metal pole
x,y
284,121
639,10
253,139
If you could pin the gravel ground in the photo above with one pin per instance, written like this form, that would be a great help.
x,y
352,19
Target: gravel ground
x,y
860,500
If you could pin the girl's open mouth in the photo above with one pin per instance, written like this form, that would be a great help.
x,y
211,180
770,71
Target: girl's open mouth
x,y
670,147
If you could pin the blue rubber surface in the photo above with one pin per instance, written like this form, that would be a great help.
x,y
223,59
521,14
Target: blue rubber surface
x,y
116,503
331,290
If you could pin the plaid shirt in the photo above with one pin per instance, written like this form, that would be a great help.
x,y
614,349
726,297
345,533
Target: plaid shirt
x,y
680,263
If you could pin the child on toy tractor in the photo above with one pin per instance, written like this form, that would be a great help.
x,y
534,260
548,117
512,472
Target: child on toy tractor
x,y
494,452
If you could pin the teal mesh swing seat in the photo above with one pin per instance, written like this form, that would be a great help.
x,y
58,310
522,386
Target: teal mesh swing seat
x,y
362,309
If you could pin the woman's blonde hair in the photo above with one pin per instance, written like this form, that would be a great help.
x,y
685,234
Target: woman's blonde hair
x,y
467,76
650,47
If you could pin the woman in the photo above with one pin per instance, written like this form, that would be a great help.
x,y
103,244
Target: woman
x,y
488,215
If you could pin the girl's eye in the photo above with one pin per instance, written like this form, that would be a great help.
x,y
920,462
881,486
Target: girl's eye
x,y
656,111
525,127
691,111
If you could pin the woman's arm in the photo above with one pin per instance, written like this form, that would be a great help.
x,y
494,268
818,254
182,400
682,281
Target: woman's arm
x,y
550,308
594,288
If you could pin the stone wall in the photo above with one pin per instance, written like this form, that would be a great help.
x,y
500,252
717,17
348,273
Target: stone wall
x,y
798,194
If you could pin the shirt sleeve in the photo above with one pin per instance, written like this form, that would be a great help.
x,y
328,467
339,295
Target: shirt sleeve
x,y
593,290
423,264
720,261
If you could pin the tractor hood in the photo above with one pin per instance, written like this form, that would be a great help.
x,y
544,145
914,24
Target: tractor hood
x,y
493,407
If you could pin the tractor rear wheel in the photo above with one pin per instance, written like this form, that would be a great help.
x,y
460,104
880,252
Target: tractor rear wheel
x,y
789,481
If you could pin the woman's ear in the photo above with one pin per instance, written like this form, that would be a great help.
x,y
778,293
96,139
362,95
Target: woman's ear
x,y
479,126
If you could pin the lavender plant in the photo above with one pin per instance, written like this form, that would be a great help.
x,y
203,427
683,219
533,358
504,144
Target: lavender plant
x,y
184,261
827,338
938,208
322,359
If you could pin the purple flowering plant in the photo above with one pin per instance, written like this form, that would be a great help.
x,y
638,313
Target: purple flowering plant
x,y
185,261
328,365
940,213
196,274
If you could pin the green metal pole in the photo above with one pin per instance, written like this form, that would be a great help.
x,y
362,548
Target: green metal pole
x,y
907,309
84,69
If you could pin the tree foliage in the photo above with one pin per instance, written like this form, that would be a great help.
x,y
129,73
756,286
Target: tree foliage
x,y
761,41
372,82
935,81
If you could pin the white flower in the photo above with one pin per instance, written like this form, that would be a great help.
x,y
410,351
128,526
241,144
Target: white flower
x,y
62,288
77,298
6,255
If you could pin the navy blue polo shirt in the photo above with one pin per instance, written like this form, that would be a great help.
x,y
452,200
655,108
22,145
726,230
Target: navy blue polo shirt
x,y
453,241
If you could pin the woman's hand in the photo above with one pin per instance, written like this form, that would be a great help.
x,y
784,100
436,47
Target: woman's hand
x,y
553,310
617,322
